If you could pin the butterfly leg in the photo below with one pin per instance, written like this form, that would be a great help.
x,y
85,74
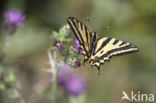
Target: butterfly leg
x,y
98,70
85,59
84,62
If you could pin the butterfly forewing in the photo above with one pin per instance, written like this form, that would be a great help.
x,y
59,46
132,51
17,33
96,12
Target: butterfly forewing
x,y
85,37
105,48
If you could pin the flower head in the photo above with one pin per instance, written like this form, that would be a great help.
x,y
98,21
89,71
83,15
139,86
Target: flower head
x,y
64,73
75,85
77,63
14,17
77,44
58,44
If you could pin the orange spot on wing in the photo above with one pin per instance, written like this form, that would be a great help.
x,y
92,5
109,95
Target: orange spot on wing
x,y
91,62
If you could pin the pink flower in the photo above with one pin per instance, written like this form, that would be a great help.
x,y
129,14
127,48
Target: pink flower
x,y
77,63
75,85
58,45
14,17
64,72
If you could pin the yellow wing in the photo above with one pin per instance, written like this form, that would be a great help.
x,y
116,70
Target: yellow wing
x,y
105,48
85,37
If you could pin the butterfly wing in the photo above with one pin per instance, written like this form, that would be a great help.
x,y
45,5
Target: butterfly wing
x,y
85,37
105,48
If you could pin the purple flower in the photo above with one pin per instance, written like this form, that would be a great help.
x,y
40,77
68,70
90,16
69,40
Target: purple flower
x,y
64,72
77,44
77,63
75,85
58,44
14,17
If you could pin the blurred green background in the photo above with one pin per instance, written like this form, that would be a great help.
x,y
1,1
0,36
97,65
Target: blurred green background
x,y
129,20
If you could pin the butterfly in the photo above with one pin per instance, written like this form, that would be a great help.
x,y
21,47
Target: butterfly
x,y
98,50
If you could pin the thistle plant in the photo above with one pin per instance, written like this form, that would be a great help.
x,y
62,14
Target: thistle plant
x,y
62,72
62,45
13,18
8,80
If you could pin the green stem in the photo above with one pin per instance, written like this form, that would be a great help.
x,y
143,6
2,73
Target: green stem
x,y
6,45
54,70
19,95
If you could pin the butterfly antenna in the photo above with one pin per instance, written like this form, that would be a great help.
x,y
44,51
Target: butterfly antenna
x,y
90,23
105,28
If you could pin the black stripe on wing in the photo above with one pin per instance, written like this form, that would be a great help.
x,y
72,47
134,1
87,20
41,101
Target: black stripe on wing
x,y
93,39
109,47
85,37
74,26
102,45
120,51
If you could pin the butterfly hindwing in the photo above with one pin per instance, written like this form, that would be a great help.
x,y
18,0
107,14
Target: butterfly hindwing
x,y
85,37
105,48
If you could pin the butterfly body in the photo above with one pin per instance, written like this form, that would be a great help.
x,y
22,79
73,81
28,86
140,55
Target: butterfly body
x,y
98,50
